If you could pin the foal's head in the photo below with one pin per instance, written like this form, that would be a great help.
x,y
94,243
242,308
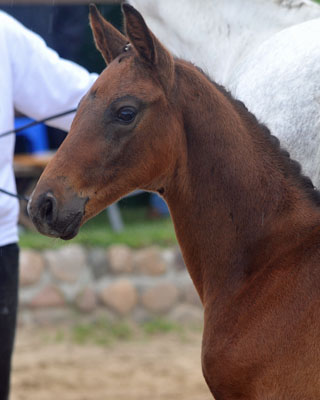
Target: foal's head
x,y
124,134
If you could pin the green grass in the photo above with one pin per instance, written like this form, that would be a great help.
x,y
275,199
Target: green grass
x,y
139,231
160,325
104,332
101,333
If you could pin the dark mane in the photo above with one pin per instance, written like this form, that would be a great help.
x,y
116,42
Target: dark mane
x,y
291,167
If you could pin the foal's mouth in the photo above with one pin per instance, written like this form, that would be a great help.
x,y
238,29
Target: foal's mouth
x,y
64,230
72,228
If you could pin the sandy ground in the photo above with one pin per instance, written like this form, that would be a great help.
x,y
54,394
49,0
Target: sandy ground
x,y
165,367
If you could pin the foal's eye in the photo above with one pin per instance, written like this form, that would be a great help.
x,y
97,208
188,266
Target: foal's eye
x,y
126,115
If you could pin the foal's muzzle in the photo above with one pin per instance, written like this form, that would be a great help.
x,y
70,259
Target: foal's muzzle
x,y
56,218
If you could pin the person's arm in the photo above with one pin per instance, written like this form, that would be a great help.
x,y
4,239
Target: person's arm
x,y
43,83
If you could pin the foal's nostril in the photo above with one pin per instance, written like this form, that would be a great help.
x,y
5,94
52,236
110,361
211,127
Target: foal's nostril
x,y
46,211
48,208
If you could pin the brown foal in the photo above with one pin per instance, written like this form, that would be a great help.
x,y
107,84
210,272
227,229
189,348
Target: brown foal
x,y
247,221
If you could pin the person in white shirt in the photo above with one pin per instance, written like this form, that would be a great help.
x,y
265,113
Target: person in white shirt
x,y
35,81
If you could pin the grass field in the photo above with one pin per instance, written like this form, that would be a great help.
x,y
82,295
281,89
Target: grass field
x,y
139,231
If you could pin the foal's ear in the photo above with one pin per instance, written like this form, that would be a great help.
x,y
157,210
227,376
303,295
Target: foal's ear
x,y
148,47
109,41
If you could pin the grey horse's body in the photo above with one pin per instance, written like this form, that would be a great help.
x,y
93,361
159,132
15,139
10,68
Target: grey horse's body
x,y
266,52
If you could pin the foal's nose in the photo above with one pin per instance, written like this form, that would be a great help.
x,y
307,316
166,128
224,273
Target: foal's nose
x,y
56,215
48,208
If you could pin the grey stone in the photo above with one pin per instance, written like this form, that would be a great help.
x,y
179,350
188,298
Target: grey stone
x,y
120,296
160,298
190,295
149,261
98,262
187,314
86,300
120,259
178,262
51,316
67,263
49,296
141,315
31,267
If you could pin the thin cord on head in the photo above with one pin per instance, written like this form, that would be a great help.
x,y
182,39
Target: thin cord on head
x,y
17,196
21,128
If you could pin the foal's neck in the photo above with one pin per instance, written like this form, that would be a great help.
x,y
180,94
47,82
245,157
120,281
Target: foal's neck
x,y
230,198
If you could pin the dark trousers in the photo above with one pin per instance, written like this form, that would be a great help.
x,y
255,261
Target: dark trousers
x,y
9,276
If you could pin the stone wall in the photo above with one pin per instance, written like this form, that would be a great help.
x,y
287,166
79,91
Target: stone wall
x,y
59,285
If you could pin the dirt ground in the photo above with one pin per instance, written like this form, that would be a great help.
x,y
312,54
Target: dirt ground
x,y
165,367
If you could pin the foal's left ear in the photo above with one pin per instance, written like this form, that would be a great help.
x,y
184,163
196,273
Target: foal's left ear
x,y
109,41
148,47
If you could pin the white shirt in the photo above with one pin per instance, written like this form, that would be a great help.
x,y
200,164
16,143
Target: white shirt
x,y
36,82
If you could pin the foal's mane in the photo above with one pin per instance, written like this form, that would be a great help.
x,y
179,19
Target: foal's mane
x,y
290,167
